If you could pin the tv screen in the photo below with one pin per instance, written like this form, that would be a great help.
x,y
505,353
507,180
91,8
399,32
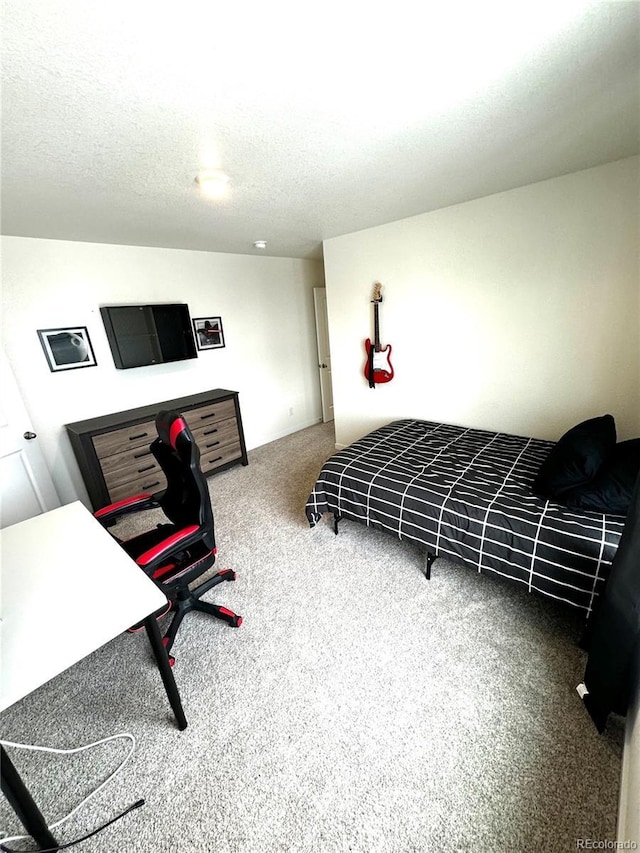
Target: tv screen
x,y
140,335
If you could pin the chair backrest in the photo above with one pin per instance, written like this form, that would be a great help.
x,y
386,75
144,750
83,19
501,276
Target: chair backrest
x,y
186,499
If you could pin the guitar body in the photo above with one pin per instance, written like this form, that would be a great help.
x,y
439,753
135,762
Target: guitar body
x,y
379,361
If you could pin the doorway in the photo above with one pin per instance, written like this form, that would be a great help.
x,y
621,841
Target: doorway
x,y
324,354
27,486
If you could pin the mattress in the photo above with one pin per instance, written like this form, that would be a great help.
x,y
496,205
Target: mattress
x,y
466,494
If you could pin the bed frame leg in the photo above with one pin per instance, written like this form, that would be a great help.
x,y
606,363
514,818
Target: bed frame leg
x,y
587,631
336,518
428,562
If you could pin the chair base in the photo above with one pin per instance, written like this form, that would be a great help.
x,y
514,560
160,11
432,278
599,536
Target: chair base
x,y
190,599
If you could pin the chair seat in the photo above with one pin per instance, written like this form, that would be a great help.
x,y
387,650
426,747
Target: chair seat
x,y
177,569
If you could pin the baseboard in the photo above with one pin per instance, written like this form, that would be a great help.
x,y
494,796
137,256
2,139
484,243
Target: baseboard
x,y
288,431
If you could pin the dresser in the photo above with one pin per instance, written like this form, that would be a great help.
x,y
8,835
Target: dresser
x,y
113,452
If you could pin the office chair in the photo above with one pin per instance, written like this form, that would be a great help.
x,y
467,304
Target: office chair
x,y
174,554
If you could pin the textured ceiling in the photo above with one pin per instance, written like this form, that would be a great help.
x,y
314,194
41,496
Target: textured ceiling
x,y
328,117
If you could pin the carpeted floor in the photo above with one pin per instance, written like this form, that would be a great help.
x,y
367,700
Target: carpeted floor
x,y
359,707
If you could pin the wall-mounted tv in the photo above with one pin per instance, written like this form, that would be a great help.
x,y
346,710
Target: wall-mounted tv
x,y
148,334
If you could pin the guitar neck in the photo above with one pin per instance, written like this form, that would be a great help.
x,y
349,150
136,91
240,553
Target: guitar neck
x,y
376,328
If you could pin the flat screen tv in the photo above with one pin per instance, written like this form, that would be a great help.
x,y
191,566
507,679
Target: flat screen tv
x,y
148,334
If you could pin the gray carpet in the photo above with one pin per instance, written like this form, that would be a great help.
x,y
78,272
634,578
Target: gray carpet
x,y
359,707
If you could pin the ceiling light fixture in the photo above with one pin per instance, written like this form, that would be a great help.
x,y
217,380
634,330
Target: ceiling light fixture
x,y
260,244
213,183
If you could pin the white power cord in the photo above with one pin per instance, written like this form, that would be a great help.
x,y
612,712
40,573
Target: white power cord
x,y
70,752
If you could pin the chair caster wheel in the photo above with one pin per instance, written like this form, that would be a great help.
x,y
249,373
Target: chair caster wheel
x,y
227,575
229,616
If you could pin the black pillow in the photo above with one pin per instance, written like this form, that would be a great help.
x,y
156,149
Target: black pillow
x,y
611,490
577,457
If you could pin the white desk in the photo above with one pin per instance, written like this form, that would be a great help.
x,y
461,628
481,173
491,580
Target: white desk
x,y
66,589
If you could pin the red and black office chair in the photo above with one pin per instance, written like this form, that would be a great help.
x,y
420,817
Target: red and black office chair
x,y
175,553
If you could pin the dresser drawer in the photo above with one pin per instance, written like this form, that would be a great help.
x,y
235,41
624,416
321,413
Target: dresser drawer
x,y
212,413
219,456
216,434
122,439
127,474
136,459
154,481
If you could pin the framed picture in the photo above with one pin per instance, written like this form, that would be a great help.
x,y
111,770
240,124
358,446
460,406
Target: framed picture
x,y
208,332
67,348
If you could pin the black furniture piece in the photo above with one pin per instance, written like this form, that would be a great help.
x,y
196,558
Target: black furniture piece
x,y
148,334
467,494
113,452
613,668
176,553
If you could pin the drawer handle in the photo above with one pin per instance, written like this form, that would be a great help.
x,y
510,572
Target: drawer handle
x,y
146,468
209,431
140,455
151,485
136,437
210,415
212,443
217,459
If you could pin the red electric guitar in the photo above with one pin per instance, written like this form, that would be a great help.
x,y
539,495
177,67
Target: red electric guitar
x,y
378,367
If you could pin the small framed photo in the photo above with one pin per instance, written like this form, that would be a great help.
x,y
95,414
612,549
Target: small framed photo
x,y
208,332
67,348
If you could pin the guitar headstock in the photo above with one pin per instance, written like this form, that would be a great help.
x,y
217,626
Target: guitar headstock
x,y
376,296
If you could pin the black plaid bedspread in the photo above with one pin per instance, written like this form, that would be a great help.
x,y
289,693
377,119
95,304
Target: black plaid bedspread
x,y
466,494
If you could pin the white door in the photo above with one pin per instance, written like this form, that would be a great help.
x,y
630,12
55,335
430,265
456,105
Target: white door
x,y
324,356
27,487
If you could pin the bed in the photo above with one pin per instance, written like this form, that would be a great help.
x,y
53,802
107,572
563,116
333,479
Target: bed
x,y
467,494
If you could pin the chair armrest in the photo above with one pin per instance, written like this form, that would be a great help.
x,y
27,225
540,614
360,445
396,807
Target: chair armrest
x,y
126,506
168,545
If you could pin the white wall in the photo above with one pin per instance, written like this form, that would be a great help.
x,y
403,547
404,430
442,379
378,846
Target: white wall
x,y
266,305
518,312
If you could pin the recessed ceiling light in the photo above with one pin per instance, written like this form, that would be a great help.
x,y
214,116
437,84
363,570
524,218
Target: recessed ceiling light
x,y
260,244
213,183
